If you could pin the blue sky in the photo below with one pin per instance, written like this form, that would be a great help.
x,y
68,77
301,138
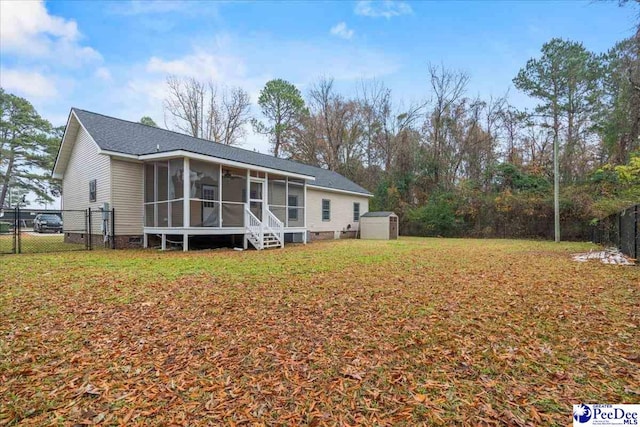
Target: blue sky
x,y
113,57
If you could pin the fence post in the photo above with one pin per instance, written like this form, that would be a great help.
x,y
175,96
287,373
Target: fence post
x,y
113,228
635,231
19,231
14,241
86,222
620,229
90,231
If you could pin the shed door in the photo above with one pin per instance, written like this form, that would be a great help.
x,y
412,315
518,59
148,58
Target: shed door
x,y
393,227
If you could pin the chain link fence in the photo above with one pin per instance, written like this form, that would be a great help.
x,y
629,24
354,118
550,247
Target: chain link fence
x,y
620,230
24,230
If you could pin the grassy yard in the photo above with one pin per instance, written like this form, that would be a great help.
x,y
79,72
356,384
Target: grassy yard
x,y
408,332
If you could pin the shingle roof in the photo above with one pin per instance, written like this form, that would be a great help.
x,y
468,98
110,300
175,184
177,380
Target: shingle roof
x,y
122,136
378,214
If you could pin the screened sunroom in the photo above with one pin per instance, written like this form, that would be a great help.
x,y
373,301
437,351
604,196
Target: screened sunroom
x,y
193,196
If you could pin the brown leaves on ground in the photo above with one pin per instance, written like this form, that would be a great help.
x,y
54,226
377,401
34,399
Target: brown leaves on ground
x,y
418,331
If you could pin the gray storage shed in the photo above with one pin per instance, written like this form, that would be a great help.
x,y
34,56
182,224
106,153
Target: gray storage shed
x,y
379,225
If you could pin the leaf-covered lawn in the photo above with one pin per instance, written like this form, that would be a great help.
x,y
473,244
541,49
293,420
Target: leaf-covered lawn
x,y
416,331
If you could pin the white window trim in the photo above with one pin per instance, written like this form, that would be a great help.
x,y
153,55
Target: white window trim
x,y
328,210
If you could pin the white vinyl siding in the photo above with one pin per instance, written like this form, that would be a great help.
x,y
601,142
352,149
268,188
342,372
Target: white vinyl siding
x,y
84,165
341,210
127,196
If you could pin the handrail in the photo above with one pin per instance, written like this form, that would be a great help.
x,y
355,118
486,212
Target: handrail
x,y
275,226
256,229
254,226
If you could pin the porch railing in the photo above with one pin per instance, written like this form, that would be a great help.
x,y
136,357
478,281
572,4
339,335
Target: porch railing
x,y
255,231
275,227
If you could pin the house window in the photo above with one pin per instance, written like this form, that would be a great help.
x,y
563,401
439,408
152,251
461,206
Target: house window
x,y
209,192
356,212
293,211
92,190
326,210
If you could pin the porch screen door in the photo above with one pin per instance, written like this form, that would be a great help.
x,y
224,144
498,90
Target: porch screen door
x,y
255,197
210,209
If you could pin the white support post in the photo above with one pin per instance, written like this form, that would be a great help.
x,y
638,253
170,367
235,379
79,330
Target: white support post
x,y
185,242
306,208
248,201
265,196
286,201
219,196
144,200
186,190
155,194
304,188
145,240
164,242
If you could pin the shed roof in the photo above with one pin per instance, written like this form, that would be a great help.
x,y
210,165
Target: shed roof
x,y
378,214
122,136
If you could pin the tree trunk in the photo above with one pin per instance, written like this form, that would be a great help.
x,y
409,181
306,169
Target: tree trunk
x,y
7,178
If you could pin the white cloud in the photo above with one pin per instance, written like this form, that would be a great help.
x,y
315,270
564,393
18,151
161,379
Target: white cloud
x,y
26,83
384,8
103,73
306,61
341,30
25,20
132,90
28,30
301,61
138,7
167,8
201,64
204,64
154,89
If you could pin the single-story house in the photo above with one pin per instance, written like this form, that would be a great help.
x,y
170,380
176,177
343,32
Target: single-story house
x,y
166,185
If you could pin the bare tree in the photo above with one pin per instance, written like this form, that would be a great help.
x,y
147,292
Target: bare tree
x,y
538,144
480,144
340,130
382,123
306,147
228,115
207,111
185,105
448,88
513,122
375,108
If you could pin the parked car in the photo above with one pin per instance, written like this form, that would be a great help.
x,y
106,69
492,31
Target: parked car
x,y
47,222
5,227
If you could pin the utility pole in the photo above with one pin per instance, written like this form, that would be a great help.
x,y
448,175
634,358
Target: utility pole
x,y
556,188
